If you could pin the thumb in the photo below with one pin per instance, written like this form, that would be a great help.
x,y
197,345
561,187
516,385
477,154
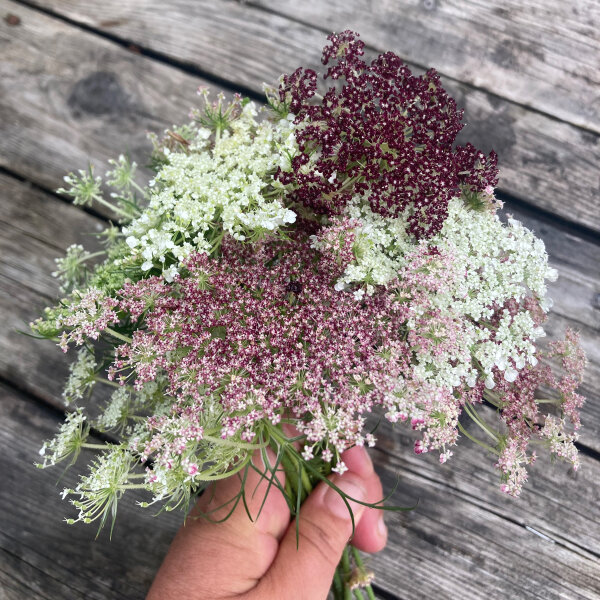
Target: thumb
x,y
304,567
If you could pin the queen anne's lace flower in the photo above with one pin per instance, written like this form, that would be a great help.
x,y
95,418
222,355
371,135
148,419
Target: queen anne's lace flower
x,y
82,377
384,134
200,194
67,442
341,257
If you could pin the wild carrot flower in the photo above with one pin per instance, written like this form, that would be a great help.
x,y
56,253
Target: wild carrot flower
x,y
339,258
382,133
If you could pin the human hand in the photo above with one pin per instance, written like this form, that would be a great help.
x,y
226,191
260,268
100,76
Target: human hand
x,y
258,560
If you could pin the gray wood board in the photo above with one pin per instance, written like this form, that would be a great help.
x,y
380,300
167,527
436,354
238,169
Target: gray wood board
x,y
42,555
543,55
547,162
66,97
69,98
464,539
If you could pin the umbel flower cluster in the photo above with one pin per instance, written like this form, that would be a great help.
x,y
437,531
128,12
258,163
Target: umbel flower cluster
x,y
296,272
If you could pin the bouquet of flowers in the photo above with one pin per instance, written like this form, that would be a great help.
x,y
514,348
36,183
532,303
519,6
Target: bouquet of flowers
x,y
282,277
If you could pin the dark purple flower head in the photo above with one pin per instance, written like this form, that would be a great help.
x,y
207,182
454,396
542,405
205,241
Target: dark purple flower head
x,y
384,133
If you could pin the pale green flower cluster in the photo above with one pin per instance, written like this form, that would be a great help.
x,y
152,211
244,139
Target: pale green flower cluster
x,y
71,268
116,411
82,377
200,456
199,195
86,189
501,261
100,491
562,444
67,442
380,245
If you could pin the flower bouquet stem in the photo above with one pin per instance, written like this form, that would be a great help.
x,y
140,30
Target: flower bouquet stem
x,y
351,580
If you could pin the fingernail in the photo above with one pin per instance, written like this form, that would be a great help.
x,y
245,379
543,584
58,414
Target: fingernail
x,y
382,529
335,503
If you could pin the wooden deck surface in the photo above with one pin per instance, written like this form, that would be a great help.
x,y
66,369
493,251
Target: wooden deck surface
x,y
82,80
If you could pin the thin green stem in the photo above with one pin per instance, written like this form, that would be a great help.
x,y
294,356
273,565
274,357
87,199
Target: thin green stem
x,y
361,566
112,207
138,188
107,382
478,442
306,484
470,410
118,335
290,475
346,571
338,588
94,446
133,486
556,401
233,444
277,435
92,255
492,398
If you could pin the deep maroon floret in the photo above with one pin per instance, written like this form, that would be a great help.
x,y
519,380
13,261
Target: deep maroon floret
x,y
383,133
295,287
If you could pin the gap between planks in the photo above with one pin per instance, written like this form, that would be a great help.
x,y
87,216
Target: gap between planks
x,y
427,536
506,57
186,67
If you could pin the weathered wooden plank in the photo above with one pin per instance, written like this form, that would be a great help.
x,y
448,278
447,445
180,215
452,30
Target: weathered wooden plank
x,y
68,98
541,54
442,542
464,539
34,229
47,558
441,551
543,160
20,579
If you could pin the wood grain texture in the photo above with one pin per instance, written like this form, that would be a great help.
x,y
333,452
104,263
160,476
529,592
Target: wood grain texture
x,y
68,98
34,229
543,160
43,557
543,55
543,545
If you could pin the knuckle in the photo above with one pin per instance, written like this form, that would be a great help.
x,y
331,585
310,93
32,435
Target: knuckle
x,y
326,540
